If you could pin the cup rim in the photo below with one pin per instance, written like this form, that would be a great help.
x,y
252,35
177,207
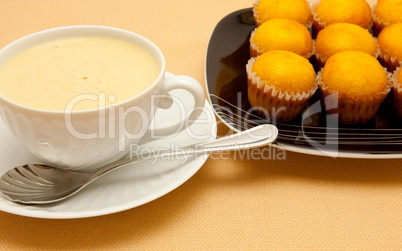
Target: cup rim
x,y
68,31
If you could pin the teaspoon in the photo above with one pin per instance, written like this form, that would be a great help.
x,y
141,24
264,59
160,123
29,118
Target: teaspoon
x,y
42,184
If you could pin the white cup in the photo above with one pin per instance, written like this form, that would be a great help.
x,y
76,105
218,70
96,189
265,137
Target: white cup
x,y
83,140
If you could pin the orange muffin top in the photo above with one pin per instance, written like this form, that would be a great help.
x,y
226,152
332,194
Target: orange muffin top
x,y
389,11
344,36
297,10
354,74
282,34
286,71
344,11
390,40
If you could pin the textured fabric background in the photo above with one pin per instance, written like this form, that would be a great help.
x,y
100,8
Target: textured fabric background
x,y
303,202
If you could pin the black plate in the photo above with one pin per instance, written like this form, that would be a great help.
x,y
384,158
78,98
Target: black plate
x,y
313,129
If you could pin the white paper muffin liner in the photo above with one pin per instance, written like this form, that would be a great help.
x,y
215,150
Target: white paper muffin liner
x,y
389,61
378,23
397,92
318,24
258,20
272,103
353,110
256,51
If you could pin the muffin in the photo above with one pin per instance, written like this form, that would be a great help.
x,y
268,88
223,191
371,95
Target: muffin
x,y
279,84
297,10
341,11
397,84
386,12
281,34
342,37
354,84
390,43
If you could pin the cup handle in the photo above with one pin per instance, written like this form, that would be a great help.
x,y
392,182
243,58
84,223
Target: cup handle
x,y
191,85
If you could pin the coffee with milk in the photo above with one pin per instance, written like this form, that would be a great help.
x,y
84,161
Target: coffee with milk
x,y
49,75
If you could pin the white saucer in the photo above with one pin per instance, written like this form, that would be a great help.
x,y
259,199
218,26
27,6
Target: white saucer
x,y
125,188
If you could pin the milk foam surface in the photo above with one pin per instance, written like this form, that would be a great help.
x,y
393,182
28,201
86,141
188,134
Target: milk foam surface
x,y
50,75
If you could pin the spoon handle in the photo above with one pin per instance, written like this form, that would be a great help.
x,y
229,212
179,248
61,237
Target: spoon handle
x,y
258,136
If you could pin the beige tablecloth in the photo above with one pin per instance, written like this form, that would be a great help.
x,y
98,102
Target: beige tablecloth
x,y
302,202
